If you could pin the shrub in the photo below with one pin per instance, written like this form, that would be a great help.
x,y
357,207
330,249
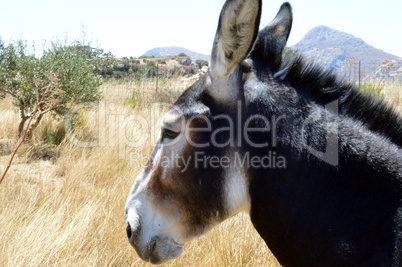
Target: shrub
x,y
63,76
372,89
200,63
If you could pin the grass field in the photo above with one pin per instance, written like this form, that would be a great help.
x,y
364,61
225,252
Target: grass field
x,y
62,205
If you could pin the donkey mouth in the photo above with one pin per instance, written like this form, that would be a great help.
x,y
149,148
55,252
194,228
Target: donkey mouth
x,y
159,250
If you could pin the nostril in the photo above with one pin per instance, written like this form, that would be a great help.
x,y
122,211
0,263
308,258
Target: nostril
x,y
152,244
128,230
133,233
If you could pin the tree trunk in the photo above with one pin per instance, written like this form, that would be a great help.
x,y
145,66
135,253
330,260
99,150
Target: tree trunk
x,y
33,126
23,117
21,126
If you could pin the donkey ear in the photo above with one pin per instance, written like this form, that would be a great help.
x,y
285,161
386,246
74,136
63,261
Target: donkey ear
x,y
236,33
272,39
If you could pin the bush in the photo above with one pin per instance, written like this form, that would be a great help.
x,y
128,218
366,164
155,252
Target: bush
x,y
52,133
372,89
63,76
151,63
118,74
201,63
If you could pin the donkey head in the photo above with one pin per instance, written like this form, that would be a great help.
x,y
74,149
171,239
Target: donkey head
x,y
185,189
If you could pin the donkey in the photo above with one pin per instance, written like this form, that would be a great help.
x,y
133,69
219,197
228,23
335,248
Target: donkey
x,y
316,164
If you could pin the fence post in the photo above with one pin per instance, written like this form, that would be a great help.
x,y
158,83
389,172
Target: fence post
x,y
359,74
157,76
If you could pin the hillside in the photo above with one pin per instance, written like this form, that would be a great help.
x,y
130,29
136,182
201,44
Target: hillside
x,y
333,48
152,66
350,56
173,51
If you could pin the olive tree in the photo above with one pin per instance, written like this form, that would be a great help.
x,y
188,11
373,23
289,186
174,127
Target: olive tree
x,y
62,76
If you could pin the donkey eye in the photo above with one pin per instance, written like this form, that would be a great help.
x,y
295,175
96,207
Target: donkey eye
x,y
169,134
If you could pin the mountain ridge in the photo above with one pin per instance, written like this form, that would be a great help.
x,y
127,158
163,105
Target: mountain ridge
x,y
332,48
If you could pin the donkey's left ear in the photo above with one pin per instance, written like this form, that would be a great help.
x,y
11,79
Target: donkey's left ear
x,y
236,33
272,39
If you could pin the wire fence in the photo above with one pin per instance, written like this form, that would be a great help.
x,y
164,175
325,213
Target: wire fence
x,y
377,73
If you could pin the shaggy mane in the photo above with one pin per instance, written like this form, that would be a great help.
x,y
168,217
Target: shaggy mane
x,y
323,86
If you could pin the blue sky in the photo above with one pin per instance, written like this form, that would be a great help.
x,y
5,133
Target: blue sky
x,y
130,28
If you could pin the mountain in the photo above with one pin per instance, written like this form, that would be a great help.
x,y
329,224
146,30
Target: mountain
x,y
332,49
174,51
348,55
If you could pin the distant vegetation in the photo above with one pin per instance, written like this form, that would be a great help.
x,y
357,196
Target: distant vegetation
x,y
149,67
68,74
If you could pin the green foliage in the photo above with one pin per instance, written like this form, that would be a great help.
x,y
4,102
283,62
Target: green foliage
x,y
52,134
201,63
2,48
185,61
63,76
118,74
149,67
151,64
372,89
192,71
72,71
18,72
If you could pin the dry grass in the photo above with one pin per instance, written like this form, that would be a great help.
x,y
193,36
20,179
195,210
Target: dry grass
x,y
393,95
68,211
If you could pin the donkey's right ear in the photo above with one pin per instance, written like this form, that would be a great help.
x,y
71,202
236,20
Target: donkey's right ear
x,y
236,33
271,40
